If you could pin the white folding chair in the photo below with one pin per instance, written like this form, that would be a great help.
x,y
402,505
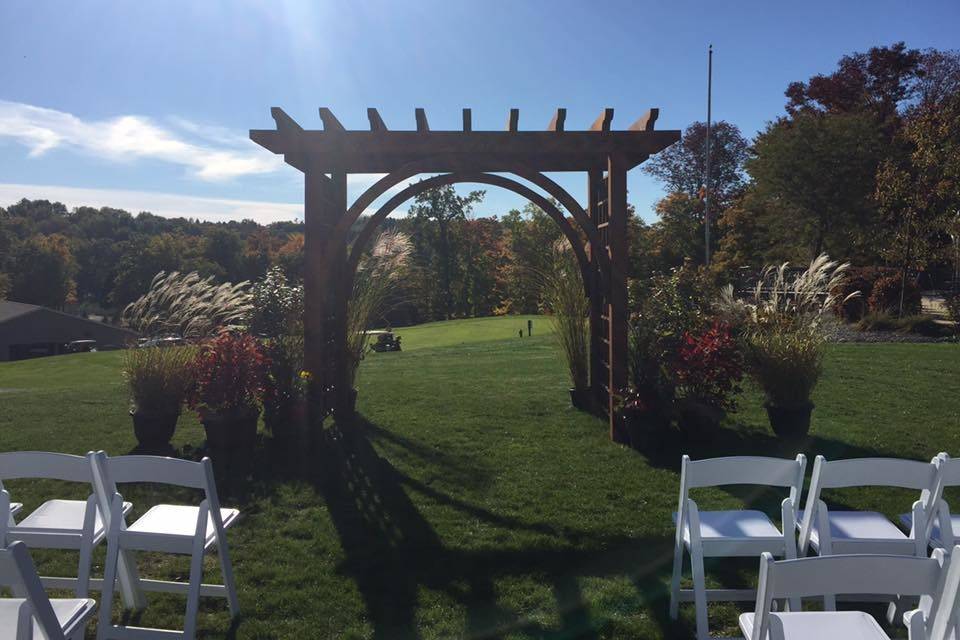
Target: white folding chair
x,y
829,531
30,614
730,533
58,524
175,529
926,578
940,524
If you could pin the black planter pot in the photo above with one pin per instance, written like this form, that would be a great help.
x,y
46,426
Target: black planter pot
x,y
581,399
789,423
284,419
647,431
154,430
698,417
232,430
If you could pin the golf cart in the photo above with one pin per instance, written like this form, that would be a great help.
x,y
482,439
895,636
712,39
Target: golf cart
x,y
381,341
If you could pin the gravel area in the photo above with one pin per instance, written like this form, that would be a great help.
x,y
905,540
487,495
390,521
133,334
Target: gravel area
x,y
840,332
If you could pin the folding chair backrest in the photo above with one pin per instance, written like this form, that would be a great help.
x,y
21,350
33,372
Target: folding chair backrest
x,y
862,574
42,464
941,621
157,469
874,472
949,470
747,470
18,573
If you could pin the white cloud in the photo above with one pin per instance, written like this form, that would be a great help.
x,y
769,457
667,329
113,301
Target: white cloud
x,y
217,156
168,205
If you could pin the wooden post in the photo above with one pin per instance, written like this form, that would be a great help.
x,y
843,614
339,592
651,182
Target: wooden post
x,y
337,299
323,305
598,368
619,265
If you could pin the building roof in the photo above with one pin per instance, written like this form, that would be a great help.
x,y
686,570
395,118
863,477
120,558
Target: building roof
x,y
10,310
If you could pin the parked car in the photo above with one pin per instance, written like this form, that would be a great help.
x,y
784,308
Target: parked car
x,y
82,346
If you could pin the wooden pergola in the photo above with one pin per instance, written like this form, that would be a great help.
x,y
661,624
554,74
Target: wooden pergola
x,y
598,234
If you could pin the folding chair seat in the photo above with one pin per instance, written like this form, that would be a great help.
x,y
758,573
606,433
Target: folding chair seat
x,y
176,529
58,524
830,531
739,533
933,580
940,524
30,614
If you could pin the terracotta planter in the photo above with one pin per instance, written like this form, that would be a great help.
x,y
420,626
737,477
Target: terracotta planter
x,y
581,399
789,423
154,430
231,430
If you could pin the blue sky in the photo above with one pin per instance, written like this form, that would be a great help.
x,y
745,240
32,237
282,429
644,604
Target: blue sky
x,y
146,105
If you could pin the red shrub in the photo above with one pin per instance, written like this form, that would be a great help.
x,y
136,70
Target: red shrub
x,y
885,297
709,366
229,374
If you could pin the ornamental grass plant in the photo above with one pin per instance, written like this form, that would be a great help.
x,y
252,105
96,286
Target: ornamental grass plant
x,y
564,297
158,378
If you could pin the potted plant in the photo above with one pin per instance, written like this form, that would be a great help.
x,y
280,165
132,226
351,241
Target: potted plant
x,y
229,375
563,296
644,423
783,338
158,380
708,369
284,402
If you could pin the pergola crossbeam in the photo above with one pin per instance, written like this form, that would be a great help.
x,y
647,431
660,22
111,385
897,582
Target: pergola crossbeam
x,y
330,122
558,120
513,120
646,122
421,116
376,122
602,123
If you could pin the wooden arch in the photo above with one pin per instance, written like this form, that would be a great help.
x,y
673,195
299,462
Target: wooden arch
x,y
413,190
326,156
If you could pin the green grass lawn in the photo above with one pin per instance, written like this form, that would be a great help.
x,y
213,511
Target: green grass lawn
x,y
471,500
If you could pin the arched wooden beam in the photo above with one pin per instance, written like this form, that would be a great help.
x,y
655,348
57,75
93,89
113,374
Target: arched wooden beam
x,y
570,204
338,234
482,178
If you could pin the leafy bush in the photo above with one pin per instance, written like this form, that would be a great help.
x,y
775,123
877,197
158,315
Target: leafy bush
x,y
677,348
885,296
915,324
709,366
158,378
859,279
563,294
786,363
229,374
277,306
952,301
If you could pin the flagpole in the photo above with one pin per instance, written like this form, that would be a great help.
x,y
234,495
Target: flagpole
x,y
706,191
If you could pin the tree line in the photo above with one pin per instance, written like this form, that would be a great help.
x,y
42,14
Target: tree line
x,y
864,164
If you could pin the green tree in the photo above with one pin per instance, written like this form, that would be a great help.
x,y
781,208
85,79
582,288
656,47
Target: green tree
x,y
682,167
817,174
438,215
43,269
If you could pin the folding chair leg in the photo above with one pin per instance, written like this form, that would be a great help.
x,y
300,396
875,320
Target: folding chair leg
x,y
106,594
196,575
675,582
700,594
226,568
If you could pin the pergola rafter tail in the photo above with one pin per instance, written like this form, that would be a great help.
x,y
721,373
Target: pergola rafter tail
x,y
597,233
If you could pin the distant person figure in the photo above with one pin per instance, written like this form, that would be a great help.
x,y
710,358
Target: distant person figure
x,y
529,328
521,333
